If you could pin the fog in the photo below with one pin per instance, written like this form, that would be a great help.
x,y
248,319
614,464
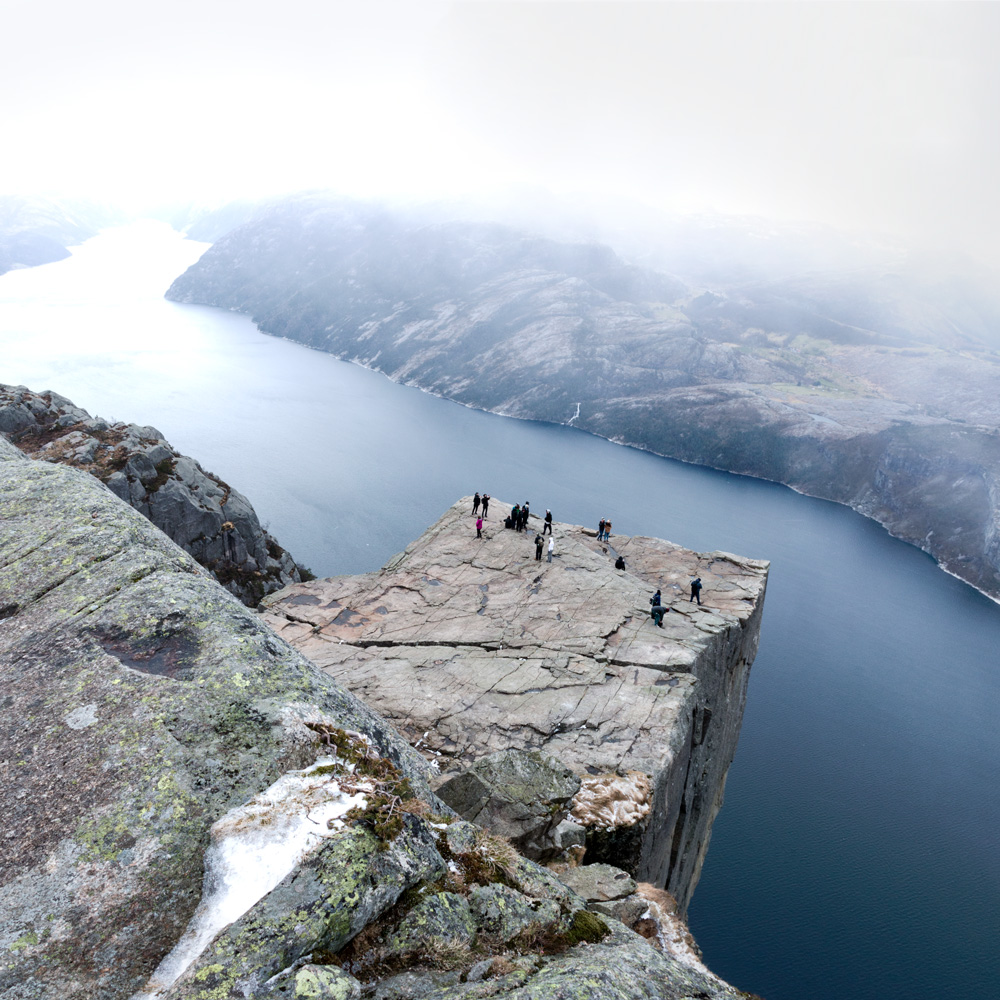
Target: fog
x,y
874,116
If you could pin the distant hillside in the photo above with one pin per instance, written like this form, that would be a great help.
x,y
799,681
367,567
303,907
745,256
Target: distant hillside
x,y
37,231
875,386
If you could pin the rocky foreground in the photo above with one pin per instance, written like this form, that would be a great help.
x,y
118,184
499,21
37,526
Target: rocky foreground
x,y
194,810
471,647
204,515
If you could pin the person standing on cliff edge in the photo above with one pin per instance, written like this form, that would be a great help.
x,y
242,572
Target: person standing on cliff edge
x,y
548,522
486,504
695,591
475,504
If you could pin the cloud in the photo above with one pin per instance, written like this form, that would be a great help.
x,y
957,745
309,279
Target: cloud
x,y
875,115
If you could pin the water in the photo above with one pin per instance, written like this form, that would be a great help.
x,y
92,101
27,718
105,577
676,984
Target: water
x,y
856,855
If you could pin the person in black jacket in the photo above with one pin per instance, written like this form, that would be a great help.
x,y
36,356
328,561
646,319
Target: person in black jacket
x,y
657,610
548,522
695,590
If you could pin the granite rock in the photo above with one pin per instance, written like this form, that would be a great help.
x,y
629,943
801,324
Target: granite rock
x,y
201,513
157,737
471,647
599,883
518,794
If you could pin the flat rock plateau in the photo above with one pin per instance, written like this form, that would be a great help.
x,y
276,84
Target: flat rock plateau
x,y
471,646
195,811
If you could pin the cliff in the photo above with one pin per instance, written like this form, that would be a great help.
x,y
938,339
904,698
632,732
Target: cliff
x,y
193,810
877,388
471,646
204,515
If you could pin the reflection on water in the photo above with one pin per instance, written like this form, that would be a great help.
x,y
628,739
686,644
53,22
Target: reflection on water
x,y
856,855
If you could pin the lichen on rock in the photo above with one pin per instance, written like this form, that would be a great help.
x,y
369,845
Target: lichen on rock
x,y
146,710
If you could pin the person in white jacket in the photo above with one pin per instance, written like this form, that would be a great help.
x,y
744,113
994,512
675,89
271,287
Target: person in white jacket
x,y
552,547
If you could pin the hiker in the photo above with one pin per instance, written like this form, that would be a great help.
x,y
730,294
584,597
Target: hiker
x,y
515,517
548,522
538,548
619,563
607,529
551,548
475,504
600,530
524,513
486,504
657,610
695,591
479,527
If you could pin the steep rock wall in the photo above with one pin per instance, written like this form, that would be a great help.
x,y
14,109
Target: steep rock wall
x,y
204,515
471,646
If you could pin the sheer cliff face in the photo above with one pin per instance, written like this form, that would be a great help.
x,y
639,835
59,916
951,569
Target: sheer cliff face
x,y
471,646
192,810
875,391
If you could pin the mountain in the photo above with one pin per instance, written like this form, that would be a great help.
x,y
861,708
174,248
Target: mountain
x,y
37,231
877,386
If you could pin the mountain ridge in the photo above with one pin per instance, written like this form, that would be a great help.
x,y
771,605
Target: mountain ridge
x,y
866,388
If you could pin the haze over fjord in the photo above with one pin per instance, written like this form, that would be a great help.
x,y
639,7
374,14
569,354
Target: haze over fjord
x,y
864,116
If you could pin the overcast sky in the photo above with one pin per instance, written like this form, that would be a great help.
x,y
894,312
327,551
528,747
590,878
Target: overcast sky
x,y
884,116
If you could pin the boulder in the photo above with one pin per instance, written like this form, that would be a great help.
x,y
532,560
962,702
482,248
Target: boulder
x,y
519,794
599,883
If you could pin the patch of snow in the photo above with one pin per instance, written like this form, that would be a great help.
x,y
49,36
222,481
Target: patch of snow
x,y
80,718
253,848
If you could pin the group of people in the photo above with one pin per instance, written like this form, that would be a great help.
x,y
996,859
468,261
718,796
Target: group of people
x,y
657,609
540,544
518,519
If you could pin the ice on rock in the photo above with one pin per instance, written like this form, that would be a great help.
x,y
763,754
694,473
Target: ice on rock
x,y
253,848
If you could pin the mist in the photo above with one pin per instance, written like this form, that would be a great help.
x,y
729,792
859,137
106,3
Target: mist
x,y
868,117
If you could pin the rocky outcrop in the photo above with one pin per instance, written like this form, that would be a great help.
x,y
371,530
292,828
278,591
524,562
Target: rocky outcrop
x,y
192,810
875,388
200,512
471,647
518,794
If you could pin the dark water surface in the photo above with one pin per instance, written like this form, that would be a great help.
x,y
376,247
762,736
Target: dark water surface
x,y
857,853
